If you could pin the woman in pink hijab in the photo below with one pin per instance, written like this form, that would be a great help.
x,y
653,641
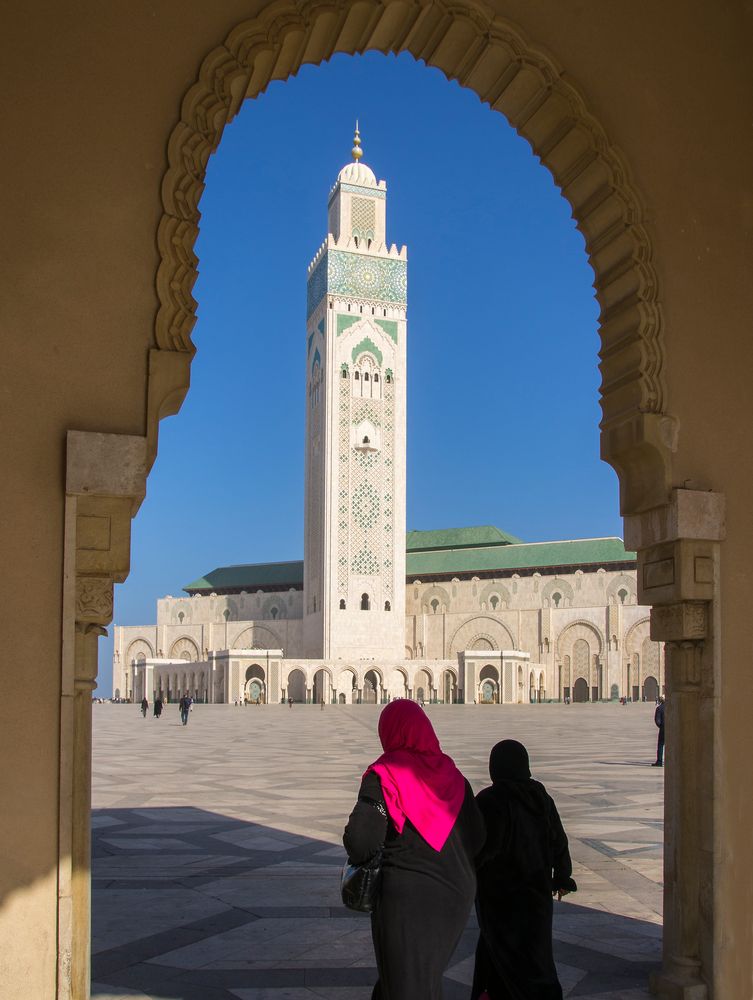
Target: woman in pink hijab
x,y
415,802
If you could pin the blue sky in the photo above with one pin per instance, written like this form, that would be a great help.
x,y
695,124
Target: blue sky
x,y
502,335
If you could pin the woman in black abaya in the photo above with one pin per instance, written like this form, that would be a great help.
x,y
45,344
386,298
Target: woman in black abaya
x,y
415,802
524,862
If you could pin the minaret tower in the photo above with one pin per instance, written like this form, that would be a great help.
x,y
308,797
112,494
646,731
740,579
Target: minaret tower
x,y
354,562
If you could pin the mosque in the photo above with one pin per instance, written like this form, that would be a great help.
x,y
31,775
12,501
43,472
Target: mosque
x,y
462,615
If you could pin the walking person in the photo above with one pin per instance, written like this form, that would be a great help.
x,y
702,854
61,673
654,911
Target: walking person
x,y
415,803
185,707
144,707
524,862
659,720
322,703
157,708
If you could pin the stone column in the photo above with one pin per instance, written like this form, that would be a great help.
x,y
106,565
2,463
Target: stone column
x,y
105,483
678,555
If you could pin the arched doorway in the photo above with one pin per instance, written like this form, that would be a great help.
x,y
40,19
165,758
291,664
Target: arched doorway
x,y
255,687
347,687
580,690
372,686
488,685
297,685
650,688
449,687
422,687
624,252
322,687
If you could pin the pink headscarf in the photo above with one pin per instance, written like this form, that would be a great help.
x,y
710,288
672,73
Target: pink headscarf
x,y
420,783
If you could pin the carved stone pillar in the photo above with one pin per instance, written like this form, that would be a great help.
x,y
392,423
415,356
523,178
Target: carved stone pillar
x,y
678,554
105,483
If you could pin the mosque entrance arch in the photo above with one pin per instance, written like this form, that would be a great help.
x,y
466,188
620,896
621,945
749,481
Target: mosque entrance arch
x,y
372,686
322,687
489,685
297,685
650,688
536,96
580,690
255,690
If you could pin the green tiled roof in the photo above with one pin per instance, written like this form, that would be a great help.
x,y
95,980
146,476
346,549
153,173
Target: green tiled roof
x,y
426,557
249,576
527,555
457,538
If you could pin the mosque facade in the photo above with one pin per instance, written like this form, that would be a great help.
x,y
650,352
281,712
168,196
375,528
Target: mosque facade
x,y
464,615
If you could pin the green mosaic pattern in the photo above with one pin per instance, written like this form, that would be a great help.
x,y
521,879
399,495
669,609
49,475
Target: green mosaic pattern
x,y
366,506
367,344
363,277
362,218
344,321
362,189
389,326
365,563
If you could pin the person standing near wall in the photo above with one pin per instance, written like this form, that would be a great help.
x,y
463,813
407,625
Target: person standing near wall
x,y
144,707
659,720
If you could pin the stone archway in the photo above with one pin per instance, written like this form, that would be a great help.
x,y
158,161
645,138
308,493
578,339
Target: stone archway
x,y
486,54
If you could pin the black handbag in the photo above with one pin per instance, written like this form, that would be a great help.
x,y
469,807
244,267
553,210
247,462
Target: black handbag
x,y
359,884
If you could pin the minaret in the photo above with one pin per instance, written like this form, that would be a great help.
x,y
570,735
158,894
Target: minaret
x,y
354,562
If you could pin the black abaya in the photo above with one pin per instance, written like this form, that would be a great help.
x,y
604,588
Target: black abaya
x,y
425,895
525,857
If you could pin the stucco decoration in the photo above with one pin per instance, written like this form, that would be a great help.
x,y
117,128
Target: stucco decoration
x,y
622,583
471,630
580,630
550,591
184,648
438,594
139,648
635,635
490,591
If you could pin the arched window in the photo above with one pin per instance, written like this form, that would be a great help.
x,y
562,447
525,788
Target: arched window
x,y
365,603
388,377
623,595
366,436
376,378
181,616
387,606
366,376
494,601
274,612
226,613
342,603
345,372
435,605
556,598
356,376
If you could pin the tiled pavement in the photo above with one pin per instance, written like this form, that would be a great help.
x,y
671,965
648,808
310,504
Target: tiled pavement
x,y
217,847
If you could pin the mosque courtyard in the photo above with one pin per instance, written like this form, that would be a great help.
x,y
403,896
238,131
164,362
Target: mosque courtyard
x,y
217,847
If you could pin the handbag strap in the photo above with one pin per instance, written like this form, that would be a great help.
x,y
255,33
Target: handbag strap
x,y
378,804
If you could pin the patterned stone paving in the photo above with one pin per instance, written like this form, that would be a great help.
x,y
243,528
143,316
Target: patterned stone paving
x,y
217,847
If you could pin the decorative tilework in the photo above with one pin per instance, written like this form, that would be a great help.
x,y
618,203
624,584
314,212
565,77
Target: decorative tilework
x,y
320,326
362,218
344,321
358,189
389,326
317,360
310,342
360,276
316,286
365,506
367,344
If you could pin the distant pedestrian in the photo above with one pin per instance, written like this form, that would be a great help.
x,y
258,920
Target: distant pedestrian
x,y
144,707
290,702
659,720
185,707
157,708
322,704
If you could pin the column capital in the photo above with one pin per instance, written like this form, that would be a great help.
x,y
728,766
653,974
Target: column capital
x,y
686,622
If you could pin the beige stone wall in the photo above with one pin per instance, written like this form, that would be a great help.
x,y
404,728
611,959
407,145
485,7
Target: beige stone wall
x,y
669,86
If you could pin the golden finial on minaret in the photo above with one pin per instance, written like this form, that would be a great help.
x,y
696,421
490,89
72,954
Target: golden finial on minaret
x,y
357,151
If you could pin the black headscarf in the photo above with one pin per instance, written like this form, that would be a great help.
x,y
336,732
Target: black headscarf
x,y
508,761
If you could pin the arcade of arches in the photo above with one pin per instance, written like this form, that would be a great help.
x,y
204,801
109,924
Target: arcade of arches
x,y
641,113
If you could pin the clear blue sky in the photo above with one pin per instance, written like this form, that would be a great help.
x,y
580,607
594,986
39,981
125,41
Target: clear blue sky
x,y
502,341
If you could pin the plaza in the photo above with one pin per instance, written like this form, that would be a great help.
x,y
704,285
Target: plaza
x,y
217,849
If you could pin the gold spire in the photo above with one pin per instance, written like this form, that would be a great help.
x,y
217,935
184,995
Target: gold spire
x,y
357,151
